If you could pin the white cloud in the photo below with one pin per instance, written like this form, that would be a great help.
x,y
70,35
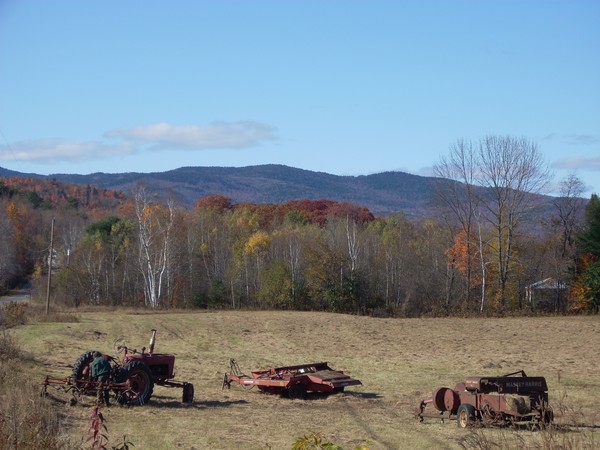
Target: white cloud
x,y
58,150
160,136
578,162
241,134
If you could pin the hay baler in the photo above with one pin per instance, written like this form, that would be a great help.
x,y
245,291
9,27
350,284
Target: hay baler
x,y
514,398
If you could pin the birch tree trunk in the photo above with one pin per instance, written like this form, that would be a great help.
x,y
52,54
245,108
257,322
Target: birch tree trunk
x,y
154,232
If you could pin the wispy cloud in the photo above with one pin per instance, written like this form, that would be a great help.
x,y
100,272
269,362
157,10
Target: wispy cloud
x,y
582,139
217,135
578,163
160,136
574,139
57,150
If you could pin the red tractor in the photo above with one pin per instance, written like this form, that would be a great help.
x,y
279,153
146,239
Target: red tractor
x,y
504,400
132,378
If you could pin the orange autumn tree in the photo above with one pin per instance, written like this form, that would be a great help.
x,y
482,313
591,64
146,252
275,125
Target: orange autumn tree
x,y
460,255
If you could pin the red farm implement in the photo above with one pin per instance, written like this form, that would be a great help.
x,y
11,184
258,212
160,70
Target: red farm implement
x,y
132,379
294,381
510,399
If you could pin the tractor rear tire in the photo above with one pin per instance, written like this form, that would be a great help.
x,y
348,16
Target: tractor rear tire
x,y
188,393
81,368
138,376
465,416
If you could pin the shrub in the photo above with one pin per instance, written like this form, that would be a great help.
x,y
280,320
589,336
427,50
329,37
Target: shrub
x,y
13,314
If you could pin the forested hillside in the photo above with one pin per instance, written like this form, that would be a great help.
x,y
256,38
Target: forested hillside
x,y
383,193
305,254
50,194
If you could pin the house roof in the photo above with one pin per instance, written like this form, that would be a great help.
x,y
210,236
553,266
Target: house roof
x,y
547,283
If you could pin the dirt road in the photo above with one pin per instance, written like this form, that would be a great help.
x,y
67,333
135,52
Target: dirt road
x,y
22,295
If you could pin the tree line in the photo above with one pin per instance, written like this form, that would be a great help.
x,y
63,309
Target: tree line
x,y
483,254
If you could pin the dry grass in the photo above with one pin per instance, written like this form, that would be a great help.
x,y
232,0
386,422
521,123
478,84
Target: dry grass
x,y
400,361
27,422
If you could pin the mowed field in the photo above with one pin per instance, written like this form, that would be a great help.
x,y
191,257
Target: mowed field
x,y
399,361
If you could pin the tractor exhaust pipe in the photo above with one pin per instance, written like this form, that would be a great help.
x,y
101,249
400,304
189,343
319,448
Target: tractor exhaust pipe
x,y
152,341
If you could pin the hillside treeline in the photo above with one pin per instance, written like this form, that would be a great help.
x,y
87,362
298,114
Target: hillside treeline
x,y
306,255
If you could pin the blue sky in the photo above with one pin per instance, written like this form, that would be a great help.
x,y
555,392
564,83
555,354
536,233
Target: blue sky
x,y
345,87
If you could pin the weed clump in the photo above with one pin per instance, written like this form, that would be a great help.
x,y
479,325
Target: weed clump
x,y
9,350
13,314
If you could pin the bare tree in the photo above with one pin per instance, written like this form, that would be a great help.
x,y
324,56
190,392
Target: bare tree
x,y
570,206
459,196
353,244
288,246
513,170
154,226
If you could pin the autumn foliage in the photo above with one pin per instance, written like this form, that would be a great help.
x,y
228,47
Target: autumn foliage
x,y
137,251
48,193
312,211
463,255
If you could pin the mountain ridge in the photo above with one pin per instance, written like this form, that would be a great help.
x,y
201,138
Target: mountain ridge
x,y
382,193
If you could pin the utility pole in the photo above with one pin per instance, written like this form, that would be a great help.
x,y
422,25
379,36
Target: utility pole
x,y
50,268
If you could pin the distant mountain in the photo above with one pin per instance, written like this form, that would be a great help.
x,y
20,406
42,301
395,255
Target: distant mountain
x,y
381,193
11,173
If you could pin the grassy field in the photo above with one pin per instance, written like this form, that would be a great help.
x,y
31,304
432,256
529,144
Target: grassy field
x,y
399,361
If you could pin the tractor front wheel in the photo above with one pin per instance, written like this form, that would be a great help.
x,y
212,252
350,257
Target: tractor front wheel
x,y
188,393
139,381
465,416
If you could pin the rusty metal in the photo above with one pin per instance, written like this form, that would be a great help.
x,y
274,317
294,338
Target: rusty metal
x,y
509,399
132,378
295,381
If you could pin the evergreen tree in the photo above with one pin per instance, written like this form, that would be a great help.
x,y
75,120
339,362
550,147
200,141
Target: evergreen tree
x,y
589,238
586,291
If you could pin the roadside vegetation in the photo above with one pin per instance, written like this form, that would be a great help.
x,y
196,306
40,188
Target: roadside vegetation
x,y
26,420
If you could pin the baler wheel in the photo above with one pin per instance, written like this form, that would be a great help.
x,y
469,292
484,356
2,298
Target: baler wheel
x,y
547,416
139,377
465,416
